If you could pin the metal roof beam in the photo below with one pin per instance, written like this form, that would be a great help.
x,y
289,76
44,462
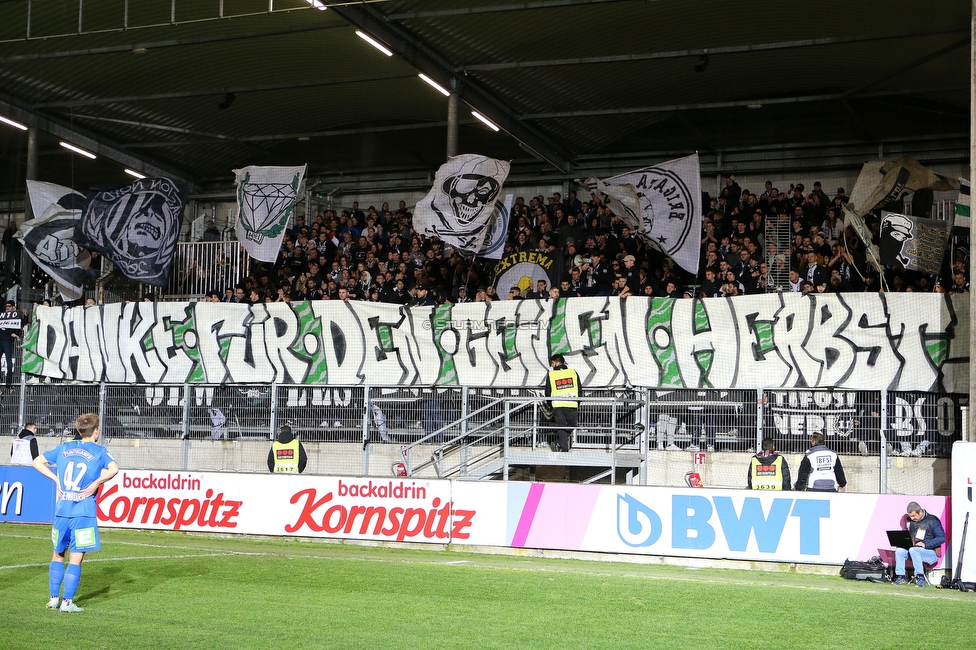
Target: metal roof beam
x,y
158,45
697,52
90,141
418,54
732,104
515,6
295,136
126,99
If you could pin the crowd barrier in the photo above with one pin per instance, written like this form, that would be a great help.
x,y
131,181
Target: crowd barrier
x,y
366,430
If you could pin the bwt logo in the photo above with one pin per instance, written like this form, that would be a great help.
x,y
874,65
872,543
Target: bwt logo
x,y
638,525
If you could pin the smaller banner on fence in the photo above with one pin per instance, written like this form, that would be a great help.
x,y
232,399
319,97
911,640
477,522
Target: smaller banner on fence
x,y
915,243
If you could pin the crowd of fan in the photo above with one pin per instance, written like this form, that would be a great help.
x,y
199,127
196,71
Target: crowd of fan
x,y
376,255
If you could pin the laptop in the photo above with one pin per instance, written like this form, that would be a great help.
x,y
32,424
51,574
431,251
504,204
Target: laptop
x,y
900,538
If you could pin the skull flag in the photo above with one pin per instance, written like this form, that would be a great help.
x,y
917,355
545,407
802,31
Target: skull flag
x,y
49,237
266,198
136,226
460,207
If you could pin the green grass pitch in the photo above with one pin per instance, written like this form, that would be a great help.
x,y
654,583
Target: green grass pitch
x,y
163,590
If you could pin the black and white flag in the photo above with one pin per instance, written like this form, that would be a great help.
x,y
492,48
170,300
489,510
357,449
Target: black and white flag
x,y
266,198
880,183
917,244
493,246
49,237
670,201
462,203
620,198
136,226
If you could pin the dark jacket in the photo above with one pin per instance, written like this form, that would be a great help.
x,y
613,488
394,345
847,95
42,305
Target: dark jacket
x,y
934,533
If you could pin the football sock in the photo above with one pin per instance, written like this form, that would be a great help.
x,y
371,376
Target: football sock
x,y
54,576
72,576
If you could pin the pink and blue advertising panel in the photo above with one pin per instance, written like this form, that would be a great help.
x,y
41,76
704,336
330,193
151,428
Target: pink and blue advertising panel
x,y
806,527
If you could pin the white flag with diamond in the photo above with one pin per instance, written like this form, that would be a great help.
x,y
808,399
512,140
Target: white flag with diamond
x,y
266,198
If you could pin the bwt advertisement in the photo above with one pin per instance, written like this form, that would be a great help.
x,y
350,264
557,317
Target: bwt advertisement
x,y
819,528
737,524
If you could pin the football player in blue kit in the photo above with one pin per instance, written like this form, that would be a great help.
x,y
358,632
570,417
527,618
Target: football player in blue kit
x,y
82,466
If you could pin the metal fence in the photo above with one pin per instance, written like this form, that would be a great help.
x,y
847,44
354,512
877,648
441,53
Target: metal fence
x,y
199,267
624,434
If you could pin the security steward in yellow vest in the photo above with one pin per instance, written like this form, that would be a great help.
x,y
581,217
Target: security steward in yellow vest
x,y
768,470
287,455
562,384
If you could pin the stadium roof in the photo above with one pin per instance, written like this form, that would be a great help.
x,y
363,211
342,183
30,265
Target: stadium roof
x,y
576,85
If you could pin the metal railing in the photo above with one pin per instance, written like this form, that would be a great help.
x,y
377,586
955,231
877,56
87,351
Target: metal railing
x,y
623,435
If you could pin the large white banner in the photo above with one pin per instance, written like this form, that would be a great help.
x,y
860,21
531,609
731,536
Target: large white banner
x,y
867,341
963,483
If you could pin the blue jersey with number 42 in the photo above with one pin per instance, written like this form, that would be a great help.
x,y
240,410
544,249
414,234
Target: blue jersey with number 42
x,y
79,464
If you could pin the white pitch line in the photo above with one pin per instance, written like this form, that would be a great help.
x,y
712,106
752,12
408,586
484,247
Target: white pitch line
x,y
476,565
125,559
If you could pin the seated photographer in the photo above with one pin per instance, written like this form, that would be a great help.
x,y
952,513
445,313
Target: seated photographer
x,y
927,535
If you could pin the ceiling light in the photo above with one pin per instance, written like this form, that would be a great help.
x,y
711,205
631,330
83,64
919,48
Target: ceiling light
x,y
753,106
318,5
484,119
135,174
379,46
436,86
71,147
16,125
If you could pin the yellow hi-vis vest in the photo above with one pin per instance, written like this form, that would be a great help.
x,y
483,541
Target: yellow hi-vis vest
x,y
563,383
285,457
767,476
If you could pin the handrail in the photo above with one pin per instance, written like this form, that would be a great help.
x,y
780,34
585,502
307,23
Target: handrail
x,y
456,444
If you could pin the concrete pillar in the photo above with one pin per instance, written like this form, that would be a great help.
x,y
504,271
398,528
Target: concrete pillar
x,y
452,124
26,264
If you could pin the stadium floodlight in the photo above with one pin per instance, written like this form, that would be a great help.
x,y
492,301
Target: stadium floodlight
x,y
436,86
318,5
135,174
79,150
16,125
375,43
484,119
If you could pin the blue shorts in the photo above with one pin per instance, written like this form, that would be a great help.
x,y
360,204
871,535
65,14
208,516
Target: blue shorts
x,y
80,534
